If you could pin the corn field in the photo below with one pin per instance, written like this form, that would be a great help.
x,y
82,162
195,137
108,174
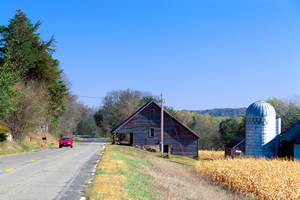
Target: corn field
x,y
266,179
211,155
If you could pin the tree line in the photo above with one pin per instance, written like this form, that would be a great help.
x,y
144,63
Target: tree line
x,y
214,132
223,112
119,105
34,90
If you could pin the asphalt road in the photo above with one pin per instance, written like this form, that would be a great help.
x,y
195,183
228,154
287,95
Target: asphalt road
x,y
52,174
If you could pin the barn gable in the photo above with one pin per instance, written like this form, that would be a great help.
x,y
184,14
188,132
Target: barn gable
x,y
143,108
144,126
115,130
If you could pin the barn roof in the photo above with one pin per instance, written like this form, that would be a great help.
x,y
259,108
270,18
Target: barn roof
x,y
141,109
236,141
130,117
292,134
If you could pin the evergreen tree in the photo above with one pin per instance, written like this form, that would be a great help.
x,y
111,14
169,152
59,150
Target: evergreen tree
x,y
29,58
18,44
25,58
229,129
6,90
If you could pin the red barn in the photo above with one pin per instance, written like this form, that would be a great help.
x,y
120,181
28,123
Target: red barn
x,y
143,127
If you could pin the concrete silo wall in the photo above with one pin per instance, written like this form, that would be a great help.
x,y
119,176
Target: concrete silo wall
x,y
259,133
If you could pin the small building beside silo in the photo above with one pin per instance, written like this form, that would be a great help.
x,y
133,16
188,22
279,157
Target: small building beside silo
x,y
261,130
290,142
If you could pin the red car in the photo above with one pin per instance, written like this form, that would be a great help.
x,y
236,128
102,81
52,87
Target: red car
x,y
66,142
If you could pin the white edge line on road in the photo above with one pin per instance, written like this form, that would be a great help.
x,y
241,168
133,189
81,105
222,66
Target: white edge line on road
x,y
94,170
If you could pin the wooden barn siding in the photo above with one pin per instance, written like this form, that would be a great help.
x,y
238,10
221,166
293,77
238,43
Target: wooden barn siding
x,y
182,140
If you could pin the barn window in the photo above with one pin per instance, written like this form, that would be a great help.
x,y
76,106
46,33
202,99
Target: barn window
x,y
151,114
151,132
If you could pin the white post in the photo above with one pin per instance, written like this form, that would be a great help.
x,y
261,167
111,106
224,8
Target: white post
x,y
278,126
162,125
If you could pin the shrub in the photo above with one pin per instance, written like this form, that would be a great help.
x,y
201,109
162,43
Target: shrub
x,y
3,136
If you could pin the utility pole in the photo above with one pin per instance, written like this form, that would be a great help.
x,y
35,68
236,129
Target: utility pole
x,y
162,125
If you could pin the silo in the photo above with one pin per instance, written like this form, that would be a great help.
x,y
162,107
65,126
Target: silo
x,y
260,129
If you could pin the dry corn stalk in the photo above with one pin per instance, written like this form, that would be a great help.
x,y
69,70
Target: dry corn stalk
x,y
266,179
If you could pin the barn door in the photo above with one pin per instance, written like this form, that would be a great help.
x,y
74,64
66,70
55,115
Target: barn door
x,y
166,148
131,139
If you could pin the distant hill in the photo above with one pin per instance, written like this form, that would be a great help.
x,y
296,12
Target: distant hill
x,y
223,112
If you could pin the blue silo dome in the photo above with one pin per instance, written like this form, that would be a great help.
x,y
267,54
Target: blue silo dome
x,y
260,109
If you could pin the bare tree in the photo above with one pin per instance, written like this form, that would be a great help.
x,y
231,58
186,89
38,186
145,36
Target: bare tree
x,y
117,106
30,108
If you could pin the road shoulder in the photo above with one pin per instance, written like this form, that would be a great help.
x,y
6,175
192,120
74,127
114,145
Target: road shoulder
x,y
76,186
126,172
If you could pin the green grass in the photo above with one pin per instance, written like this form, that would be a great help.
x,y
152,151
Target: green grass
x,y
16,148
130,165
120,161
183,160
8,152
30,147
138,184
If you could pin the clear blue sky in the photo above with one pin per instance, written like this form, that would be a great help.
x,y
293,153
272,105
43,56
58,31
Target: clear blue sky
x,y
201,54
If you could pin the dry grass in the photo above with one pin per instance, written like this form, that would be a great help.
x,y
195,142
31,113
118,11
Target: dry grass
x,y
119,176
37,139
108,184
266,179
130,173
211,155
32,142
178,181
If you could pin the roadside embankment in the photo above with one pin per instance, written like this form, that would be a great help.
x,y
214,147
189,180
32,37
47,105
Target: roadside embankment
x,y
32,142
120,175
